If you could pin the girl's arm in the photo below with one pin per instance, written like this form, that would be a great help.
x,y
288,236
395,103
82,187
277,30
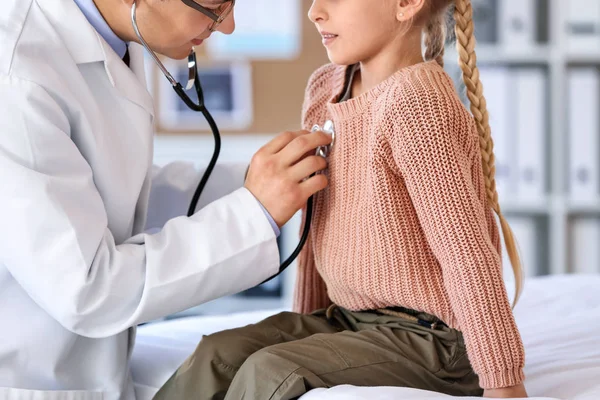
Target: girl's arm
x,y
433,143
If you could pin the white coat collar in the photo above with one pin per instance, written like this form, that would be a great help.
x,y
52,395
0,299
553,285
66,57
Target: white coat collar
x,y
86,45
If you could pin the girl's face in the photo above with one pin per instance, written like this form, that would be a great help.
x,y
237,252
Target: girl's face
x,y
356,30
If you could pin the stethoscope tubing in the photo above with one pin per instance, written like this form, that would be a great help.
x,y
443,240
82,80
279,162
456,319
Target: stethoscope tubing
x,y
194,81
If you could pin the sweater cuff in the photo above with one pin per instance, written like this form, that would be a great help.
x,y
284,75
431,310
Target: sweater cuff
x,y
502,379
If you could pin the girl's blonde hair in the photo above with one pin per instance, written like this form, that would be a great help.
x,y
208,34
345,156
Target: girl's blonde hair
x,y
434,40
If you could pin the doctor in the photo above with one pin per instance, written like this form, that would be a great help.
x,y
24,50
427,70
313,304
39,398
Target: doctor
x,y
78,266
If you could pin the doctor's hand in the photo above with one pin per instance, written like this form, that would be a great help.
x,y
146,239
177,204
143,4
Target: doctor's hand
x,y
277,173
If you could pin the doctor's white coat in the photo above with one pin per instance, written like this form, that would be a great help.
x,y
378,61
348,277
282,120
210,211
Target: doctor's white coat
x,y
77,185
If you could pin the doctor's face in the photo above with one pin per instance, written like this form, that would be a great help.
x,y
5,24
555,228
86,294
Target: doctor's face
x,y
172,28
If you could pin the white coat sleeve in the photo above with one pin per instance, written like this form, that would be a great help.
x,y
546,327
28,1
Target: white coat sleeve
x,y
174,184
56,243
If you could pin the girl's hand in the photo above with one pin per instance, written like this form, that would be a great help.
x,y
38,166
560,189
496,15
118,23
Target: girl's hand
x,y
506,393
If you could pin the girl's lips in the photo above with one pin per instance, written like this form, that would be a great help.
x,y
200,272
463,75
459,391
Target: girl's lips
x,y
197,42
328,38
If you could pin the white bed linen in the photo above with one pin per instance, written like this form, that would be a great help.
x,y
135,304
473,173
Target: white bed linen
x,y
559,318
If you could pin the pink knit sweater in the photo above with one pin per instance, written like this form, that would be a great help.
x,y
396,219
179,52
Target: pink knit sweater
x,y
405,220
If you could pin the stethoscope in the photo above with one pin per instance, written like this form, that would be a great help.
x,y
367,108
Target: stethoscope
x,y
194,81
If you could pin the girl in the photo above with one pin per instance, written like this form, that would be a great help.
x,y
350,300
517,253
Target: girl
x,y
400,283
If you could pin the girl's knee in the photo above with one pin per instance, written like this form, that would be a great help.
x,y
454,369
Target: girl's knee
x,y
265,362
220,348
268,374
233,347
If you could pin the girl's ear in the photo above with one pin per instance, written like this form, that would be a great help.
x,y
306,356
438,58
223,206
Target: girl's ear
x,y
408,9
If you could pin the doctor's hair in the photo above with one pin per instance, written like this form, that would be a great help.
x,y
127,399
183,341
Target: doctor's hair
x,y
434,39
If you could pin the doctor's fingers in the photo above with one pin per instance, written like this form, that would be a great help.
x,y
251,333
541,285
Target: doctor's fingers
x,y
313,185
307,167
302,146
280,141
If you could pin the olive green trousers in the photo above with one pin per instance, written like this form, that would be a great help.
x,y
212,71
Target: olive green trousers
x,y
287,355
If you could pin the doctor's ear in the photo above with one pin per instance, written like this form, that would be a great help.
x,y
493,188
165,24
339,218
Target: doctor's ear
x,y
407,10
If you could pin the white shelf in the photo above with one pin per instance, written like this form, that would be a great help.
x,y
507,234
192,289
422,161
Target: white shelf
x,y
558,204
526,206
497,54
584,206
582,58
492,54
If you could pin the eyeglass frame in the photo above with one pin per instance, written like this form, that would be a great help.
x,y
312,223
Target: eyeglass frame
x,y
216,18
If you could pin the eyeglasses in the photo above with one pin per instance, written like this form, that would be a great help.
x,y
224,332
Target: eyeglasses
x,y
217,15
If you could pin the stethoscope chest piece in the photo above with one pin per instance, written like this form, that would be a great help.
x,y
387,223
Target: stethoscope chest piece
x,y
328,128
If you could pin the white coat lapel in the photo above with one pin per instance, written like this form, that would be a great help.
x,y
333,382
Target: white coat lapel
x,y
87,46
130,82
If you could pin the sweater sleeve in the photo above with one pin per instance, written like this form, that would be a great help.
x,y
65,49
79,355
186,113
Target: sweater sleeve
x,y
433,141
311,291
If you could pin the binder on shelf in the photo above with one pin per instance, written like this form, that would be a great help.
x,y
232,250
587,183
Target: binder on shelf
x,y
531,134
485,20
518,24
585,245
582,25
584,128
498,94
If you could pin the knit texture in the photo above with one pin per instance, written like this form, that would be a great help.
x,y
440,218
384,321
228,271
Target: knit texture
x,y
405,220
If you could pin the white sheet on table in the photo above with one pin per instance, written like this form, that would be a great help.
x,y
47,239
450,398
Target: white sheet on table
x,y
384,393
559,318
